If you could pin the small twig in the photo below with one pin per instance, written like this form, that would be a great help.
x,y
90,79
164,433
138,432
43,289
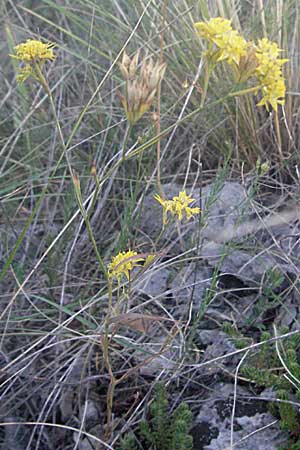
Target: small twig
x,y
164,8
255,431
197,245
234,397
282,360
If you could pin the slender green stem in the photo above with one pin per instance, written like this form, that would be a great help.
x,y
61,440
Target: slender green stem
x,y
83,212
45,85
128,214
158,124
28,222
94,199
113,381
106,325
163,230
93,241
85,216
278,135
109,403
128,295
208,71
153,141
243,92
41,197
125,141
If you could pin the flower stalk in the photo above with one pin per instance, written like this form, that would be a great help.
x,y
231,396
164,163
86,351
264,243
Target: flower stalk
x,y
34,54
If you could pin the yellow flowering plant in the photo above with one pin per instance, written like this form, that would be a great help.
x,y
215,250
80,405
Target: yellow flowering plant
x,y
33,54
177,206
269,73
248,60
123,263
225,44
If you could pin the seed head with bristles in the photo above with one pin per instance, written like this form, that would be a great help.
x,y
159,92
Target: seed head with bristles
x,y
141,87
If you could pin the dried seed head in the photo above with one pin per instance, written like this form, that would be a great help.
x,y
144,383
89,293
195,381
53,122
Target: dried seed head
x,y
185,84
124,66
141,87
133,65
126,60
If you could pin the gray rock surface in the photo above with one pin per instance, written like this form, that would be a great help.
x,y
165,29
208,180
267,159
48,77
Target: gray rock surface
x,y
87,443
258,432
222,207
253,427
154,282
234,239
189,286
238,243
166,356
217,344
246,266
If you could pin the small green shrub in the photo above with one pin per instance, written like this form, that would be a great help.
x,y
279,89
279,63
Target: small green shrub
x,y
265,369
161,431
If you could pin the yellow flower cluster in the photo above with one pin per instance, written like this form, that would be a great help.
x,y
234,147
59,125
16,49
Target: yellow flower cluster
x,y
123,263
178,206
33,53
259,60
269,73
225,43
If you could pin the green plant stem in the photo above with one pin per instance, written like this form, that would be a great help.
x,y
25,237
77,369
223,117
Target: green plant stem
x,y
93,241
278,135
28,222
154,140
45,85
158,150
109,403
82,209
113,381
125,141
106,325
208,72
243,92
94,199
128,214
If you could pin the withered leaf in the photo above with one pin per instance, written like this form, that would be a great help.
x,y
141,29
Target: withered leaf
x,y
138,322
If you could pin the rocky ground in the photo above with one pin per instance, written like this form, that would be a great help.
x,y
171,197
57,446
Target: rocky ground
x,y
238,265
244,246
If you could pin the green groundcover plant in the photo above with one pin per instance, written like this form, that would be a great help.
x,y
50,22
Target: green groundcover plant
x,y
162,431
